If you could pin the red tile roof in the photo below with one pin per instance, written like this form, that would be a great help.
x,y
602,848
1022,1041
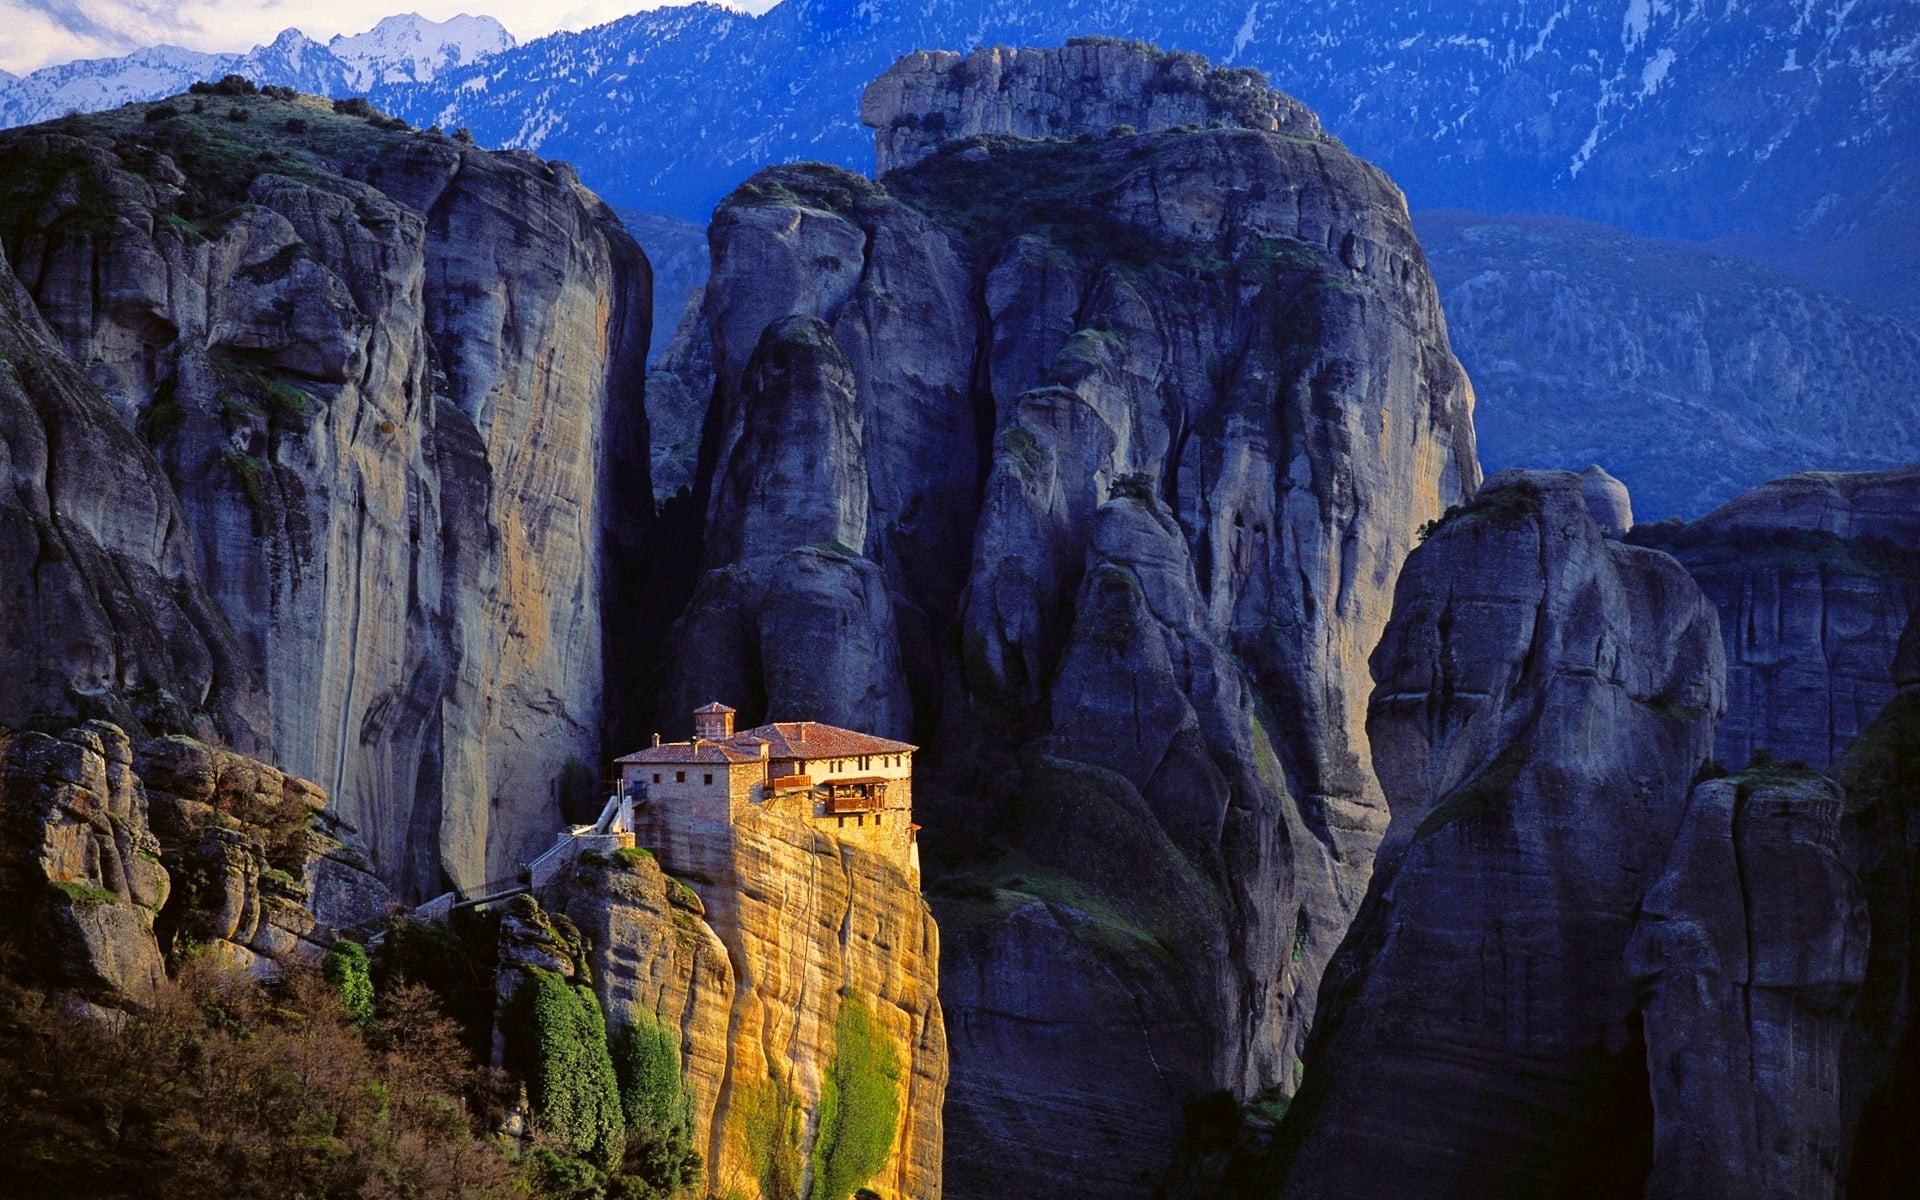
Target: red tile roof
x,y
733,750
811,739
787,740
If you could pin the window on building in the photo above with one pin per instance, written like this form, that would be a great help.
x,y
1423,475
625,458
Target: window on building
x,y
656,777
863,762
679,776
707,779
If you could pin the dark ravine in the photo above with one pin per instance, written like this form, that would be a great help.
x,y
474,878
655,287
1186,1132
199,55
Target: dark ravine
x,y
1037,453
356,403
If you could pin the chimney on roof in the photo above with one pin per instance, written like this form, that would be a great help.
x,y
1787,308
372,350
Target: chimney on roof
x,y
656,739
714,722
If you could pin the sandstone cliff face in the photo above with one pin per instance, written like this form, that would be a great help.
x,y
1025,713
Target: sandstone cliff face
x,y
115,861
382,372
750,960
1544,696
1114,446
1815,577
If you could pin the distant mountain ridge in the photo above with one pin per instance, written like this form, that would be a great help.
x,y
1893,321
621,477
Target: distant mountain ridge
x,y
405,49
1692,375
1668,120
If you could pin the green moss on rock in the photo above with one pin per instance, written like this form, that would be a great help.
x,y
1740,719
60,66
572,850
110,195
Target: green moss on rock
x,y
859,1104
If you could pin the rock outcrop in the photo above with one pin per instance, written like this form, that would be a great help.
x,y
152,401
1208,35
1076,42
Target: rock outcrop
x,y
1816,577
1751,953
1574,973
1544,698
384,373
1092,84
114,862
1114,442
1608,502
750,953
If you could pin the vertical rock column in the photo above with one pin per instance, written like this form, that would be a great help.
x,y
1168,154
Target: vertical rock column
x,y
1543,699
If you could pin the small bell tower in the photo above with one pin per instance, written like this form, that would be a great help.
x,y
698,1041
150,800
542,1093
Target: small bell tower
x,y
713,722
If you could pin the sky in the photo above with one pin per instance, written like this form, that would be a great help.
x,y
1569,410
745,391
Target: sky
x,y
36,33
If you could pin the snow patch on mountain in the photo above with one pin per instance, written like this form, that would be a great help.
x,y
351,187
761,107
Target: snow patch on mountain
x,y
411,49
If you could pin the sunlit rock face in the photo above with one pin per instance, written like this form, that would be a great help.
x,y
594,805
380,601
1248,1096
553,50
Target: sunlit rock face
x,y
116,860
1098,454
767,929
370,379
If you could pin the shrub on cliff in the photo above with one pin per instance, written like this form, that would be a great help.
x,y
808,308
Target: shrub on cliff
x,y
557,1042
228,85
348,969
859,1104
455,960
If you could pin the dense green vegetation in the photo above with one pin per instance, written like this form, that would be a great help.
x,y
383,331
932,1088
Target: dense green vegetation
x,y
859,1104
646,1058
348,969
557,1041
455,961
766,1125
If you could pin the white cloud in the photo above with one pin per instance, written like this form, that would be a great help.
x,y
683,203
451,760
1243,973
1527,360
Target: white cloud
x,y
41,32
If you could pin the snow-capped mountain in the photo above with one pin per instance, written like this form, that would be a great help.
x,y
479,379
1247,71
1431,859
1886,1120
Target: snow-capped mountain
x,y
1674,117
412,49
401,49
90,84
